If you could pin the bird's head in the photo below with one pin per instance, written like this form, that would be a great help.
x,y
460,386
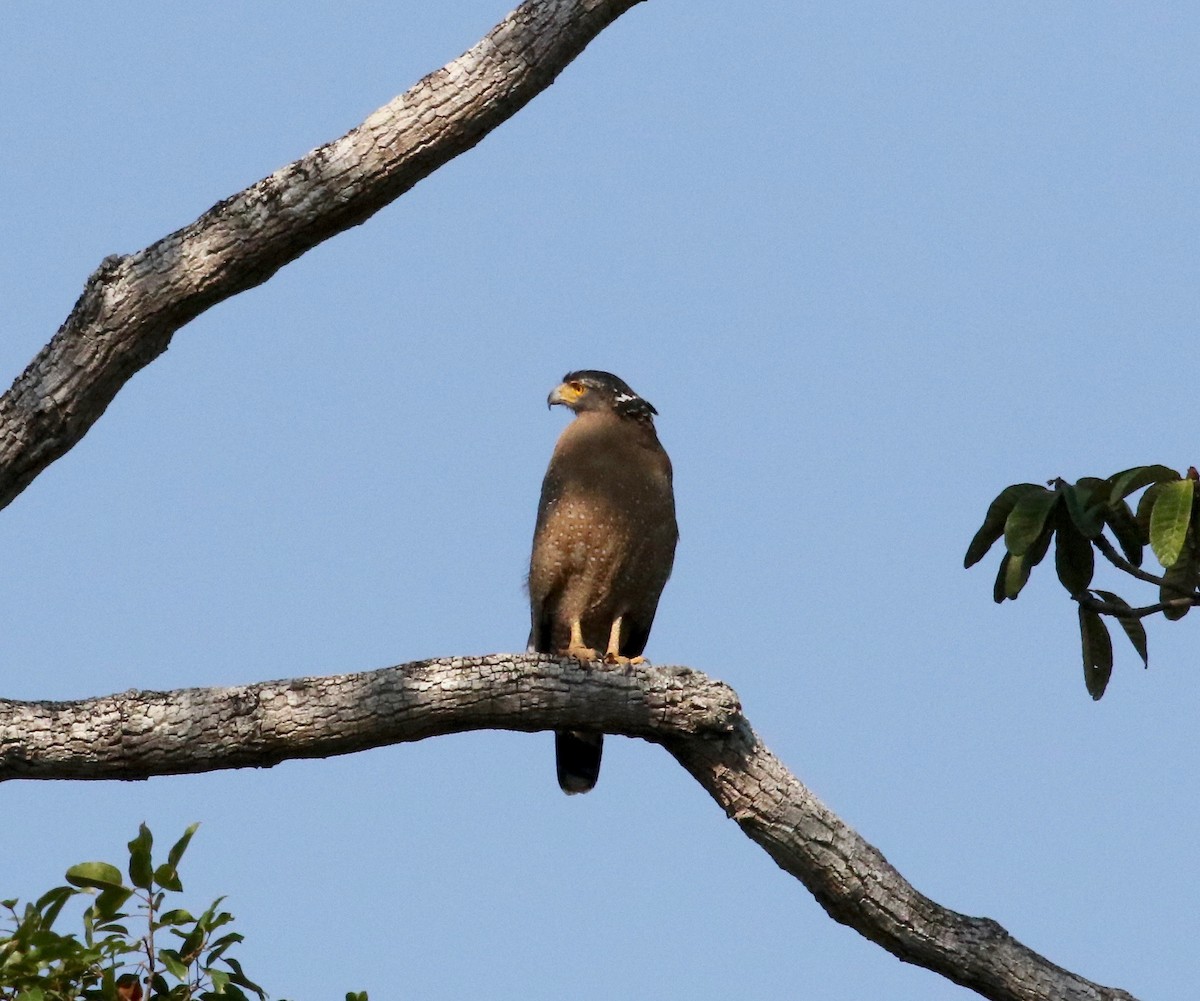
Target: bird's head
x,y
591,390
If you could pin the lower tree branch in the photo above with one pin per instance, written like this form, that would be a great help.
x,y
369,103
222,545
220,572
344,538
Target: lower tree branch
x,y
134,735
857,886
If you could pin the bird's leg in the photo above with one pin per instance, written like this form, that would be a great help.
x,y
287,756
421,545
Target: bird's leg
x,y
613,654
576,647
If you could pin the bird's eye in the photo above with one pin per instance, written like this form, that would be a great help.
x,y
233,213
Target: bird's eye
x,y
577,387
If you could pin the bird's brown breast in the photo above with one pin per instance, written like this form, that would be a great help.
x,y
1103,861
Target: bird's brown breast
x,y
606,532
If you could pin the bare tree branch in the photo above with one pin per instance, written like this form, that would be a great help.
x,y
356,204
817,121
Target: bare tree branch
x,y
132,305
135,735
138,734
857,886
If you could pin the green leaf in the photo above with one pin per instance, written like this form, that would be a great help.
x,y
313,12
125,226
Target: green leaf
x,y
178,916
1119,517
166,877
1144,509
100,875
1037,552
1097,652
206,920
998,594
173,962
180,846
1024,525
1073,557
1181,579
217,949
1082,505
239,977
1170,519
192,942
1133,627
110,901
1124,483
993,522
141,871
50,903
1016,577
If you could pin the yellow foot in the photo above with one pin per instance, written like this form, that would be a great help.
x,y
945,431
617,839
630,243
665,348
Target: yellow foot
x,y
576,647
616,658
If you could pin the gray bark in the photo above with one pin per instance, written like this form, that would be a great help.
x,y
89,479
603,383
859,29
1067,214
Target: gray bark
x,y
133,305
137,734
134,735
857,886
130,309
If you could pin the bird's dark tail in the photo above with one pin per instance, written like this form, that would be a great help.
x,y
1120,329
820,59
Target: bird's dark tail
x,y
578,757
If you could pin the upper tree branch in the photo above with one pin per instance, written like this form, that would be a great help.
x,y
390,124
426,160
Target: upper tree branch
x,y
132,305
135,735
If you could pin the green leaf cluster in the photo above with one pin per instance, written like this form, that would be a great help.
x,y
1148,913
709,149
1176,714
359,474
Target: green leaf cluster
x,y
1090,515
173,956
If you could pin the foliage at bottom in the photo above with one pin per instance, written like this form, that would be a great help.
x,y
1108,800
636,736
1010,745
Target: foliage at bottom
x,y
170,955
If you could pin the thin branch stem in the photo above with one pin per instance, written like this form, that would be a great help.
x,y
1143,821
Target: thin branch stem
x,y
1117,560
1125,612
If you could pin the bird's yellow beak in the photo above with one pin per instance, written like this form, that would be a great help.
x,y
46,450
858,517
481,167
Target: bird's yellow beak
x,y
567,393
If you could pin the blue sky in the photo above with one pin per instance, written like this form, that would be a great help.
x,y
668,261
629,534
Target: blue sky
x,y
871,262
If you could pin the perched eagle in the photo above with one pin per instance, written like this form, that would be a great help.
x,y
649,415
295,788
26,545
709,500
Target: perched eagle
x,y
604,542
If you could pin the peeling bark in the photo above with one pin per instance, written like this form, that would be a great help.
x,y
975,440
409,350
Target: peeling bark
x,y
134,735
133,305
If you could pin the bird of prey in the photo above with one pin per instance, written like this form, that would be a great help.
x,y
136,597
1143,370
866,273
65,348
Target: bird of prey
x,y
604,542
